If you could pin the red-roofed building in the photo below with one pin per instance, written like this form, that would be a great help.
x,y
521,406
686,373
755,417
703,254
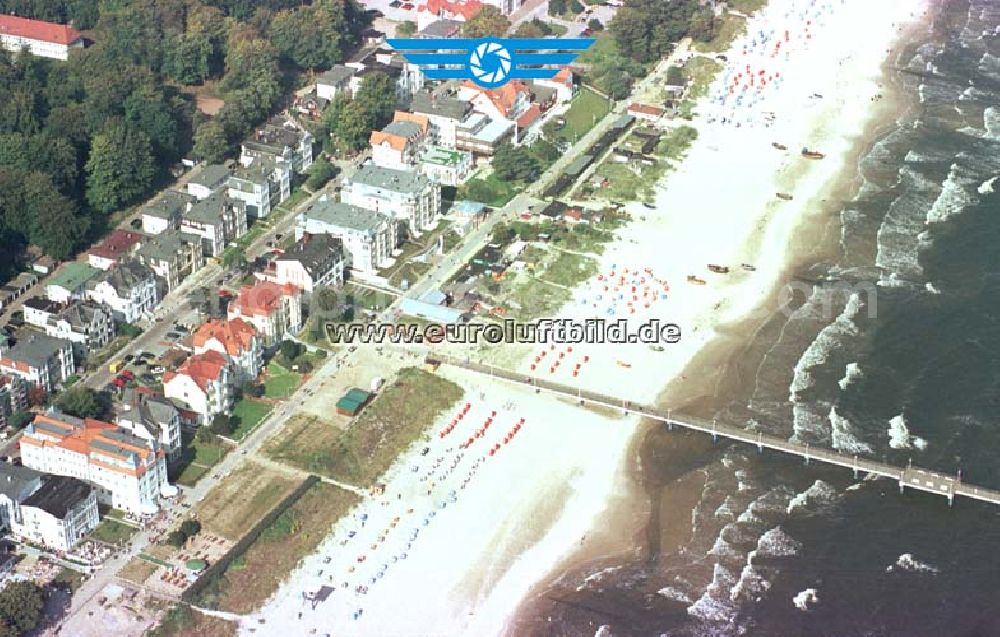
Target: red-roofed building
x,y
433,10
204,383
274,310
508,102
129,472
645,111
44,39
236,340
562,83
115,246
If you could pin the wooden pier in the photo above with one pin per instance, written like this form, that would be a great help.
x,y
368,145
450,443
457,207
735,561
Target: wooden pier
x,y
910,476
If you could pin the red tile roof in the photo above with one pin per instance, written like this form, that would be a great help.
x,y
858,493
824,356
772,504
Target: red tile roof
x,y
636,107
236,336
116,244
466,9
38,30
201,368
81,439
529,116
262,298
504,98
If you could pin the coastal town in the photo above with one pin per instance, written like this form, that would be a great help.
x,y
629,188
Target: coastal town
x,y
188,450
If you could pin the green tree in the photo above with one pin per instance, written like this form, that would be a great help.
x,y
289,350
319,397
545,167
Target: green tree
x,y
316,35
557,7
223,425
406,28
210,144
121,167
515,163
189,57
21,605
190,528
488,21
176,539
595,25
320,172
205,435
370,110
82,402
290,349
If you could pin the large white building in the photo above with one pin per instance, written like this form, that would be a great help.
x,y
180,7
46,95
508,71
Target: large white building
x,y
369,237
43,39
152,417
237,341
274,310
40,359
411,198
52,511
130,473
128,289
204,383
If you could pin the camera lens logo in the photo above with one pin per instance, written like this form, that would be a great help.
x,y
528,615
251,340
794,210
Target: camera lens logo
x,y
490,64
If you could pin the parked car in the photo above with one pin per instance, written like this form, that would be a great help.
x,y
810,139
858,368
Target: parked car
x,y
173,335
157,369
127,375
118,382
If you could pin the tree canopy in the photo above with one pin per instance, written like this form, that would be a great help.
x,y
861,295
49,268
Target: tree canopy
x,y
488,21
21,605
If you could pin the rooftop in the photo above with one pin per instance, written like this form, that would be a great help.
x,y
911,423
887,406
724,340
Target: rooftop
x,y
201,368
87,436
59,495
36,349
116,244
16,480
317,254
390,179
262,298
337,75
73,275
169,205
442,156
211,209
213,176
441,29
344,215
38,30
441,106
166,245
236,336
125,276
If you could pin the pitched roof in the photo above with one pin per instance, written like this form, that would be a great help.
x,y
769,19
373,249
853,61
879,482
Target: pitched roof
x,y
201,368
390,179
529,116
336,75
15,480
59,495
317,254
415,118
263,298
397,142
116,244
236,336
504,98
464,8
38,30
344,215
645,109
439,105
73,275
90,436
126,275
35,349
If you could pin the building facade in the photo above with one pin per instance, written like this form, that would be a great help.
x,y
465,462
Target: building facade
x,y
204,383
368,237
41,360
411,198
42,39
274,310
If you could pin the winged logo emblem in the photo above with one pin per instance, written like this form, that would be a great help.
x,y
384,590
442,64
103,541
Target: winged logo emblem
x,y
490,62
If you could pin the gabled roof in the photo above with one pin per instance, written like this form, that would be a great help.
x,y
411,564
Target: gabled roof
x,y
116,244
125,276
336,75
35,349
263,298
88,436
203,369
529,116
73,275
59,495
464,8
236,336
317,254
38,30
503,98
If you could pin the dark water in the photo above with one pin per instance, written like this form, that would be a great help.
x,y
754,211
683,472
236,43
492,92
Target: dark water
x,y
900,360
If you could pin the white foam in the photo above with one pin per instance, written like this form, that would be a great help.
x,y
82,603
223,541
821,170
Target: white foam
x,y
803,599
909,564
953,198
986,187
900,437
842,435
675,594
818,495
931,288
851,373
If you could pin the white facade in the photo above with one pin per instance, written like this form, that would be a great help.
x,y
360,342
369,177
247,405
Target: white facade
x,y
445,166
368,237
42,39
129,296
58,530
272,309
409,197
207,392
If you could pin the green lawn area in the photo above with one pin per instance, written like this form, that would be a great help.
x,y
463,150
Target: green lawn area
x,y
397,417
731,27
746,6
197,459
490,190
569,269
701,72
112,532
250,412
586,109
281,383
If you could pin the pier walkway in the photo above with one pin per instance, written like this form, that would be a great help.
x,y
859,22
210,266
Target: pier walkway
x,y
910,476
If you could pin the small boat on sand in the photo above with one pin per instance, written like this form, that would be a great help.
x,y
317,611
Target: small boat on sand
x,y
748,267
695,280
779,146
718,269
812,154
784,196
624,364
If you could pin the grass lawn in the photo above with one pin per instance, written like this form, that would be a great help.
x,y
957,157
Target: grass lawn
x,y
394,420
69,578
731,27
112,532
182,621
242,498
746,6
197,459
253,577
250,412
490,190
569,269
281,383
586,109
137,570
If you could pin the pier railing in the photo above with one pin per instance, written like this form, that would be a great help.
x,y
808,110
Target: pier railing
x,y
909,476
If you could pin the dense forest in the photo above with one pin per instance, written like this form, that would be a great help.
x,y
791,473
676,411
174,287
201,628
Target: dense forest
x,y
83,138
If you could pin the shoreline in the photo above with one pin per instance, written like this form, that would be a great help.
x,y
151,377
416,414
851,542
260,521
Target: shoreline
x,y
808,247
505,537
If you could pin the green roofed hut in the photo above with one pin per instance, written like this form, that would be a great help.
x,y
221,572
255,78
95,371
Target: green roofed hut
x,y
351,403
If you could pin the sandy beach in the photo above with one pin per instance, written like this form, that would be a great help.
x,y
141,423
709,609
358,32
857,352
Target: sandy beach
x,y
461,535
